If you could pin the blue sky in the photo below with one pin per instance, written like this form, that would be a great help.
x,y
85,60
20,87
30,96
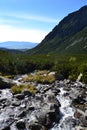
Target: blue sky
x,y
32,20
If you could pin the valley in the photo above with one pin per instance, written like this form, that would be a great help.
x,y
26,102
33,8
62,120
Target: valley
x,y
45,88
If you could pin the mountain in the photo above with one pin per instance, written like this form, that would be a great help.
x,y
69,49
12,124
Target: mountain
x,y
68,37
17,45
13,50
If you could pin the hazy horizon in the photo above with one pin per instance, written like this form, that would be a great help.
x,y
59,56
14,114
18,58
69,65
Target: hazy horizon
x,y
30,20
17,45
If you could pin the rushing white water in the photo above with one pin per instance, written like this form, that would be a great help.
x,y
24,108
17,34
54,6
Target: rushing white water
x,y
6,94
66,111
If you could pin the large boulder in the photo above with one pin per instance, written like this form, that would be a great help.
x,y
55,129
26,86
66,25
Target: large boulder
x,y
44,117
26,92
82,117
6,128
5,83
36,126
6,123
19,96
21,124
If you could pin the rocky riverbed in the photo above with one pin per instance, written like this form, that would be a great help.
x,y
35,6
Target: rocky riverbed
x,y
61,105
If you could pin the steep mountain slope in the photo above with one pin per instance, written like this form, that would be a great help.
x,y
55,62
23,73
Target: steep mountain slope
x,y
69,36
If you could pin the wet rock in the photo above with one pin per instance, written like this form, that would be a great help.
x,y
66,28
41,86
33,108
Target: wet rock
x,y
6,123
58,90
16,103
6,128
66,94
19,96
31,108
36,126
22,105
20,124
52,99
39,97
46,114
77,92
27,93
39,111
80,101
5,83
22,114
43,118
67,81
81,116
80,128
69,122
3,100
0,91
46,88
55,91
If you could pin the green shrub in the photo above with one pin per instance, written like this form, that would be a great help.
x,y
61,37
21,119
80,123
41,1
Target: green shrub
x,y
19,89
40,77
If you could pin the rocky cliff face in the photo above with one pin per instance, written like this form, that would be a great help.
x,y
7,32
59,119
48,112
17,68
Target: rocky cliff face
x,y
68,36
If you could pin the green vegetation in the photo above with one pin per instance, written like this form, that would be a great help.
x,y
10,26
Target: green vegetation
x,y
69,66
19,89
68,37
63,50
41,77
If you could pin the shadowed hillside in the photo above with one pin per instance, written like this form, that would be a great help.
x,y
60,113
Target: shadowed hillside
x,y
69,36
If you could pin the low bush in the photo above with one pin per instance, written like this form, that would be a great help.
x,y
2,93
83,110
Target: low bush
x,y
40,77
19,89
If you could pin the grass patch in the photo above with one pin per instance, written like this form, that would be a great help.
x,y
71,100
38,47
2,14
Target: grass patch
x,y
19,89
40,77
9,76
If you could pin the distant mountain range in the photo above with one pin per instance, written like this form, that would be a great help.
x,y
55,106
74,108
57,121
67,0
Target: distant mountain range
x,y
17,45
68,37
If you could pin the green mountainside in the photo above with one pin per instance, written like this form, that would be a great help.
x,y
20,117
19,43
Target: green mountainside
x,y
68,37
63,50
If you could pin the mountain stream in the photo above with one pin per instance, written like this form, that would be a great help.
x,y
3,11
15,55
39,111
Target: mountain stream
x,y
66,112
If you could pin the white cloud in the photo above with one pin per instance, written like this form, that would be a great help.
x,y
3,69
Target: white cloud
x,y
38,18
10,21
9,33
29,17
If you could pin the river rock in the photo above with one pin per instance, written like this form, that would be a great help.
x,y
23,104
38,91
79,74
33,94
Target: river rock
x,y
22,114
82,117
5,83
21,124
41,111
36,126
80,128
6,128
52,99
3,100
16,103
46,114
20,96
5,123
26,93
69,123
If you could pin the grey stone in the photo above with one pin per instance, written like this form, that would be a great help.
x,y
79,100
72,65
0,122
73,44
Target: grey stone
x,y
5,83
19,96
20,124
